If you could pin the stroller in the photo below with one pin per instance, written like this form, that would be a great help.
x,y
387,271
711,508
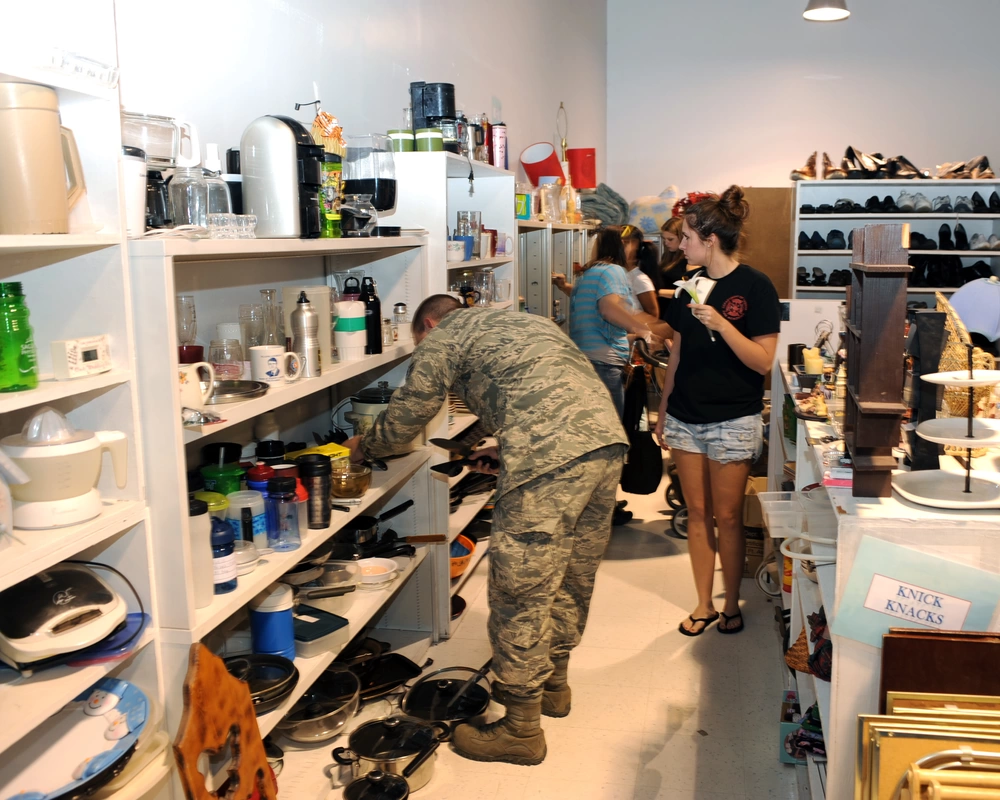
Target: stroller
x,y
674,494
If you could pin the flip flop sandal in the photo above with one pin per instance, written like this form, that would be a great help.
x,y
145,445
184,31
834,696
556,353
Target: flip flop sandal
x,y
727,618
706,620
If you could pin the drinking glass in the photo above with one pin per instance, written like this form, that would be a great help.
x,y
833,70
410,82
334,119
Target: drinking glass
x,y
226,357
269,299
501,292
251,325
187,319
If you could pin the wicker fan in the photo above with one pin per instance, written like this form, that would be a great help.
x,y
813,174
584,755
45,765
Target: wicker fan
x,y
955,356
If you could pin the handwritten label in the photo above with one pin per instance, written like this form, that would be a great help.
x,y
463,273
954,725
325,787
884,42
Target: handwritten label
x,y
916,604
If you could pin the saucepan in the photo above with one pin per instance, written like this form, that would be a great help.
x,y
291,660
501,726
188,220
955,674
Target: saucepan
x,y
364,529
403,746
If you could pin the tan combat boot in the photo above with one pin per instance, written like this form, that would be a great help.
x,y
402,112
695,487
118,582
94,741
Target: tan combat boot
x,y
516,739
557,698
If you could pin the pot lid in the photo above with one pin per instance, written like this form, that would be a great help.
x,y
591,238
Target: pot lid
x,y
378,785
391,738
375,394
431,697
47,428
334,690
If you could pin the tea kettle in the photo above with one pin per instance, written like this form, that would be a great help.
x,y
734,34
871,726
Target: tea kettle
x,y
63,465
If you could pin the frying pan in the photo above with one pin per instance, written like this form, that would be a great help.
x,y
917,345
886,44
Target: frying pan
x,y
364,529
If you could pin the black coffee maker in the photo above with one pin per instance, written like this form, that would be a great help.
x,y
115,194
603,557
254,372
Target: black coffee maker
x,y
157,201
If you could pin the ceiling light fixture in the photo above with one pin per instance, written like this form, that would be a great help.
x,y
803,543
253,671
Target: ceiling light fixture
x,y
826,11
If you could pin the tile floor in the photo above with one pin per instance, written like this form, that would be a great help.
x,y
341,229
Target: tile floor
x,y
656,715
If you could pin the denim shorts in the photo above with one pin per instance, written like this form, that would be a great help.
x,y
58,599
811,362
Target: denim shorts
x,y
740,439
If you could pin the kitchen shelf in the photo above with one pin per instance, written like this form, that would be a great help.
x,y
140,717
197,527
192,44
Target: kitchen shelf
x,y
274,565
26,703
482,550
57,79
466,512
366,605
31,243
200,250
460,423
480,262
414,645
909,289
912,216
282,394
458,167
503,305
49,389
809,597
32,551
151,776
534,224
457,479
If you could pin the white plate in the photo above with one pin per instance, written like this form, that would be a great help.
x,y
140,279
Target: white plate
x,y
960,377
940,489
985,432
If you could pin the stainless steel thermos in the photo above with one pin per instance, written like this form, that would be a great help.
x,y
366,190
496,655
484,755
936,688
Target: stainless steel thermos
x,y
305,336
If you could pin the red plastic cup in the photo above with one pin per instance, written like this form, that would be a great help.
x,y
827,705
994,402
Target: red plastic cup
x,y
540,160
582,166
190,353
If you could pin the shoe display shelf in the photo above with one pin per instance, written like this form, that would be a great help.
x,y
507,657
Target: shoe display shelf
x,y
432,189
76,284
835,255
969,536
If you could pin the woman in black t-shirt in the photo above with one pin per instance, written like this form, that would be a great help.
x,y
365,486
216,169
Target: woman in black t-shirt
x,y
713,396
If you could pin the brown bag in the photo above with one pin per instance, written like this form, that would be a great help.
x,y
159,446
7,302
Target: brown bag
x,y
797,656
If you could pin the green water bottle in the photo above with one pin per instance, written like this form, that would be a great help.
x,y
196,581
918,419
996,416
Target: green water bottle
x,y
18,362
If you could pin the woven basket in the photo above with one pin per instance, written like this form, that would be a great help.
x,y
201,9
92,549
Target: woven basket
x,y
955,356
797,656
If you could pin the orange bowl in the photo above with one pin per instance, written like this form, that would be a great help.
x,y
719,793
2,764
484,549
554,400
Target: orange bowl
x,y
461,563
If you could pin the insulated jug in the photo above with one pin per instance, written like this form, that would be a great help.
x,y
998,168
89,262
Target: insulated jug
x,y
40,173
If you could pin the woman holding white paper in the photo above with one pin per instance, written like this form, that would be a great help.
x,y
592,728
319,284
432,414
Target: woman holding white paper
x,y
726,321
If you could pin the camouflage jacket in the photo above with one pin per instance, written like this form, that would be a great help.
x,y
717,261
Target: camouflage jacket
x,y
530,386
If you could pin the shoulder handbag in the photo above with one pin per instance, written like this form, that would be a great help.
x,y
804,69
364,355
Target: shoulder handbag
x,y
644,465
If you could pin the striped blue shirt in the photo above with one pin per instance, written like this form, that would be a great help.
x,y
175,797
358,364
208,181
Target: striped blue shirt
x,y
599,339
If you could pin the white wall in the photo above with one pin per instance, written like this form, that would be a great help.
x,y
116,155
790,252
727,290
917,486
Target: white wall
x,y
704,94
230,62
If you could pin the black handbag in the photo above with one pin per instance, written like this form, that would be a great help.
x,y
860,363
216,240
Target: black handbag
x,y
643,468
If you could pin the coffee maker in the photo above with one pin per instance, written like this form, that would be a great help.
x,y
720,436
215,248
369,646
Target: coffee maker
x,y
282,176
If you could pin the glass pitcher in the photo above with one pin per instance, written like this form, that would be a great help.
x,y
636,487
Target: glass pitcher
x,y
486,286
358,216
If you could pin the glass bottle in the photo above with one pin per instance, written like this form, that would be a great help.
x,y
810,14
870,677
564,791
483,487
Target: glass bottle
x,y
282,515
18,360
333,170
223,556
189,197
269,298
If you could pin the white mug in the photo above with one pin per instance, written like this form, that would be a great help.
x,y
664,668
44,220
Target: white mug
x,y
268,362
505,245
454,251
188,383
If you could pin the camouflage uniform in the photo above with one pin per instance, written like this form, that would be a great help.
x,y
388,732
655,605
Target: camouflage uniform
x,y
561,448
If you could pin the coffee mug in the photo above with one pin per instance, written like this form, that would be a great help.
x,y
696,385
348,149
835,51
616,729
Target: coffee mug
x,y
468,240
455,251
189,384
505,244
268,362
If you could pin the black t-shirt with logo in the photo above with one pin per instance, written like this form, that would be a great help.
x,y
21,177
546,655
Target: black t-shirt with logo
x,y
711,384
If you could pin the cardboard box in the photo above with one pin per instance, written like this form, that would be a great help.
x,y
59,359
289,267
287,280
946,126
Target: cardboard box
x,y
755,551
752,516
787,725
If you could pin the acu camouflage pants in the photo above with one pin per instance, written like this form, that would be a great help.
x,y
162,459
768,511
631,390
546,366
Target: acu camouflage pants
x,y
548,539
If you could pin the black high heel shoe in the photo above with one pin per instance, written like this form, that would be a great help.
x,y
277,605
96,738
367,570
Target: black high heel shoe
x,y
995,203
961,238
978,204
944,238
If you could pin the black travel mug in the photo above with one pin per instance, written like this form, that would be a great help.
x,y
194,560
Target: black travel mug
x,y
315,470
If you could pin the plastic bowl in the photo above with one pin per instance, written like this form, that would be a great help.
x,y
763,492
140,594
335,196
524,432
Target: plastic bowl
x,y
374,571
460,562
352,481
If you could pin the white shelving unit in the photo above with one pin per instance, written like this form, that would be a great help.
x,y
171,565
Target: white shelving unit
x,y
820,192
544,249
76,284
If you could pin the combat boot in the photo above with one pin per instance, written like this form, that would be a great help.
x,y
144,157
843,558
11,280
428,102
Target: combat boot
x,y
557,698
518,738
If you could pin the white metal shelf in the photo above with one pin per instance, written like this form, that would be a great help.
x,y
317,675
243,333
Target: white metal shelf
x,y
461,423
10,68
909,289
282,394
151,776
191,250
27,243
913,215
809,597
366,606
274,565
534,225
479,262
49,389
912,182
25,703
32,551
817,777
466,512
482,550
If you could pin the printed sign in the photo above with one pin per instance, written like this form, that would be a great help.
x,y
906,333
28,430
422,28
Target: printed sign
x,y
892,586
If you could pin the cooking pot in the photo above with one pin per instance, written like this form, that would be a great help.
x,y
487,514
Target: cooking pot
x,y
322,712
364,529
367,404
402,746
434,697
378,785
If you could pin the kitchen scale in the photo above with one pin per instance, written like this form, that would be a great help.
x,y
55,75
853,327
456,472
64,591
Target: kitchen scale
x,y
939,488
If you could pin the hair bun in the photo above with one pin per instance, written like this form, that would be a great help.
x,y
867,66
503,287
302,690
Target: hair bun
x,y
732,201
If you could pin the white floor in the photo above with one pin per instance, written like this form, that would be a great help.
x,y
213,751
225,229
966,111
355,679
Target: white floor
x,y
655,714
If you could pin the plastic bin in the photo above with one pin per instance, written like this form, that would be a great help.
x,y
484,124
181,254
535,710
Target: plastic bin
x,y
783,513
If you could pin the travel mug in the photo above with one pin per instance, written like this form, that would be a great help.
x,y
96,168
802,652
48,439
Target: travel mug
x,y
314,471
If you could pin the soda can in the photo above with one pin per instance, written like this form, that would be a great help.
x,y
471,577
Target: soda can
x,y
499,151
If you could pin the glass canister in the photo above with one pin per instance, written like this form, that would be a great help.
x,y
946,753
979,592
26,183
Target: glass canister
x,y
18,360
369,169
333,184
189,197
282,515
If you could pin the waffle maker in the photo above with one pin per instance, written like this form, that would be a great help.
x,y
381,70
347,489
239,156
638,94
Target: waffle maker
x,y
60,610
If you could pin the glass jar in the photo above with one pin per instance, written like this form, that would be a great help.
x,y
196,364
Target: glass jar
x,y
333,170
18,361
189,197
223,556
282,515
219,201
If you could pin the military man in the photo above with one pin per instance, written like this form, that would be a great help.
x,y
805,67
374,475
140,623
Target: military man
x,y
560,448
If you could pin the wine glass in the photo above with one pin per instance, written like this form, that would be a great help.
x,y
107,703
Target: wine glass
x,y
187,319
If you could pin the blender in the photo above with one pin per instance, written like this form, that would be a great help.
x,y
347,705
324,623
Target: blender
x,y
369,170
62,465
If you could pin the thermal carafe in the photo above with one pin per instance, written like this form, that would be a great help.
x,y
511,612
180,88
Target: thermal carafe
x,y
37,158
